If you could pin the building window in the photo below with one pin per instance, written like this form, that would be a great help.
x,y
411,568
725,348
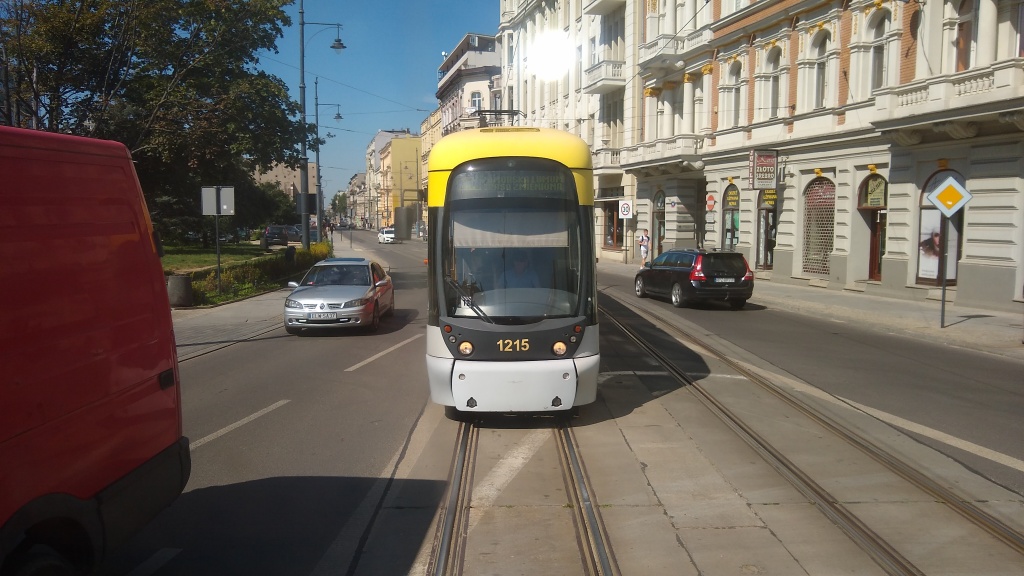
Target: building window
x,y
819,226
475,100
964,35
820,56
774,83
730,217
937,235
878,53
731,94
614,228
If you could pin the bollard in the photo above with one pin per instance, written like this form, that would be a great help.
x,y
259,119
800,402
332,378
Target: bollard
x,y
179,290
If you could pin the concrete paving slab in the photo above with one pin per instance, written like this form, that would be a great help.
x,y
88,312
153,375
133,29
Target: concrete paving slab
x,y
815,542
645,542
732,551
947,546
523,541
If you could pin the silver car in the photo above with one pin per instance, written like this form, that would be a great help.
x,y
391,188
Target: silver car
x,y
340,293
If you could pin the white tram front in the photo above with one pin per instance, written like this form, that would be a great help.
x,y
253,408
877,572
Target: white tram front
x,y
512,299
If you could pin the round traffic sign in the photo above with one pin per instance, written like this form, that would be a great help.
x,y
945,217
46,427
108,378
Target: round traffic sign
x,y
711,202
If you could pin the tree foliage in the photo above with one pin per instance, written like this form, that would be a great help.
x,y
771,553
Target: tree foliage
x,y
174,80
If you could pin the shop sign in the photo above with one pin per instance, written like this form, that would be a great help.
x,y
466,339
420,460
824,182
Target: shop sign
x,y
763,169
768,199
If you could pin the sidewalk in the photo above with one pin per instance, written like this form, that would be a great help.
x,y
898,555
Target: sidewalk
x,y
201,330
990,331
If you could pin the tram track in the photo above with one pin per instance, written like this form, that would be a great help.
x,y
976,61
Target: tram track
x,y
453,528
885,555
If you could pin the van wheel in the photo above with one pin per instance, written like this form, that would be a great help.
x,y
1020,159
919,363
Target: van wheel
x,y
41,560
641,290
677,296
737,304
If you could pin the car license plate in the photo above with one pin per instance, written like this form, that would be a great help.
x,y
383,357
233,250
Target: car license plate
x,y
724,280
323,315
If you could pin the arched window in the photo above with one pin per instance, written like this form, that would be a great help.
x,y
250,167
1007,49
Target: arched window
x,y
937,235
819,225
879,63
730,217
774,83
819,53
964,35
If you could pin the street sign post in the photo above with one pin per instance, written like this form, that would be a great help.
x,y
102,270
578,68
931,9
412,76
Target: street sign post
x,y
949,195
218,200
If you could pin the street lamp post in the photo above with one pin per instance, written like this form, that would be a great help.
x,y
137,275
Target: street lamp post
x,y
319,185
304,160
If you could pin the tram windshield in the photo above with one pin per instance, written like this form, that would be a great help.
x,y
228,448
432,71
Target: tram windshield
x,y
514,260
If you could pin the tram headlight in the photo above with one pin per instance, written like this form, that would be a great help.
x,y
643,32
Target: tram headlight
x,y
466,348
559,348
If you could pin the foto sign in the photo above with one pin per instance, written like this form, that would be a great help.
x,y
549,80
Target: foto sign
x,y
763,169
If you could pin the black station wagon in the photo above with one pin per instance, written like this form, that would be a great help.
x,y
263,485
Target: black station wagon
x,y
688,276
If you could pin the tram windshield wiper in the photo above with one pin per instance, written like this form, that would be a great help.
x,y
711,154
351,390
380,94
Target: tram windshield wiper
x,y
467,299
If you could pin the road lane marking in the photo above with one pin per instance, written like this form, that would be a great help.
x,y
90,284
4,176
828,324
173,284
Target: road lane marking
x,y
997,457
231,427
376,356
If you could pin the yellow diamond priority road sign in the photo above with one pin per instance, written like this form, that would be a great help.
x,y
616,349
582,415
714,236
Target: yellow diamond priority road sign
x,y
949,196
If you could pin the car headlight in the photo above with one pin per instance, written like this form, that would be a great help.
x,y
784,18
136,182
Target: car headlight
x,y
289,303
357,303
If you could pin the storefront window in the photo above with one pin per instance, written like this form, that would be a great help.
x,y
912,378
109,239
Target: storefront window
x,y
731,218
614,227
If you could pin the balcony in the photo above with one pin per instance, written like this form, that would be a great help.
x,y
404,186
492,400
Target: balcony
x,y
606,161
965,95
605,77
603,7
673,155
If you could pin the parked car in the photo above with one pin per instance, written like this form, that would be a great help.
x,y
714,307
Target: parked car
x,y
692,275
279,234
340,293
386,235
91,442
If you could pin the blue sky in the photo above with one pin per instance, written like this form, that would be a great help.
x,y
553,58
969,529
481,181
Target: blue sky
x,y
386,77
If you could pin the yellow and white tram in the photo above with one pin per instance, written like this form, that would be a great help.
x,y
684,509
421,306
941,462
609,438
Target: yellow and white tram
x,y
512,323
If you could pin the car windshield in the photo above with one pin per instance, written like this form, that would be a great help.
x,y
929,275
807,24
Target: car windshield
x,y
338,275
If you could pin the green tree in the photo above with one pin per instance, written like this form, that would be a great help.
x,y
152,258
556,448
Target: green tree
x,y
174,80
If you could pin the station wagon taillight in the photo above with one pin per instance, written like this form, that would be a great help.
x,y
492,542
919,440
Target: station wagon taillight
x,y
697,272
749,275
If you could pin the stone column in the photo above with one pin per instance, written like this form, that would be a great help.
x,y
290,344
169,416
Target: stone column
x,y
689,121
651,126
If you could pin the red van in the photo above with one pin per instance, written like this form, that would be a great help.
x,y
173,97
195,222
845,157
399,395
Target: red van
x,y
91,444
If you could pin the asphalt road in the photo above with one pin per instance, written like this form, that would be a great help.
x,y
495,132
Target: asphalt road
x,y
294,438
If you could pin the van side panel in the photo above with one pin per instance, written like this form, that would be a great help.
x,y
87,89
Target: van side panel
x,y
86,327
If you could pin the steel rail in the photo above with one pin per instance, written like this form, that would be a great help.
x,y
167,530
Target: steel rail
x,y
880,551
449,548
995,527
593,538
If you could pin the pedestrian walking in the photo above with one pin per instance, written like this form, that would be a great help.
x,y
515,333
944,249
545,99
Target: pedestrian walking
x,y
645,243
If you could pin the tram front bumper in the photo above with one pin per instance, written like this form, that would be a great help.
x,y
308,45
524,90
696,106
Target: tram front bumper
x,y
539,386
